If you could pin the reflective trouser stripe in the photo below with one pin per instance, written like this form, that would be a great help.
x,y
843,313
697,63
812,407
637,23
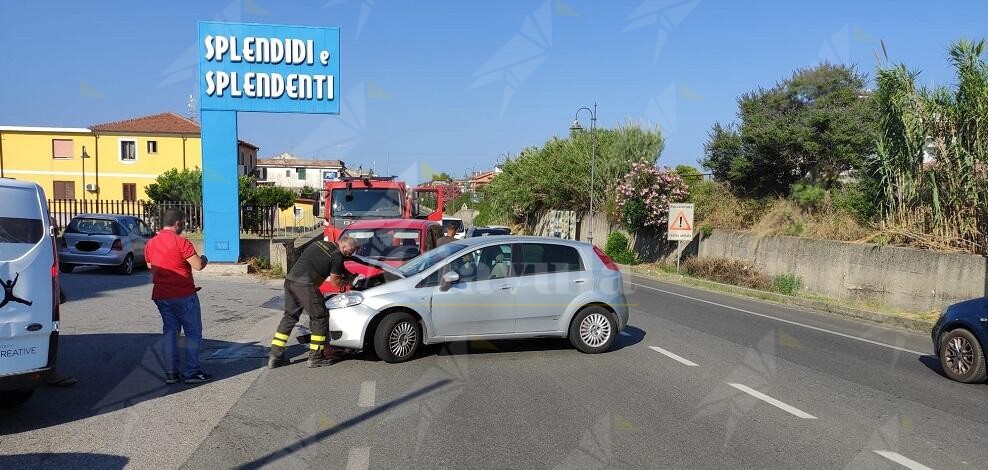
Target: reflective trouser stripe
x,y
316,347
277,342
318,338
281,336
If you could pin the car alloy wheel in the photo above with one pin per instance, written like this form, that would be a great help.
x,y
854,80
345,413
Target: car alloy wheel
x,y
595,330
959,355
127,267
402,339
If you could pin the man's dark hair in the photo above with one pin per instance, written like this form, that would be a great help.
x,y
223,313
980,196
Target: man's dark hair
x,y
172,216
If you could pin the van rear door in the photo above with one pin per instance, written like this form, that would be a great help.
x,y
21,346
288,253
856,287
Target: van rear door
x,y
28,276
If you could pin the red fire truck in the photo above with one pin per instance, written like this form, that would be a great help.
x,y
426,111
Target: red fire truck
x,y
346,200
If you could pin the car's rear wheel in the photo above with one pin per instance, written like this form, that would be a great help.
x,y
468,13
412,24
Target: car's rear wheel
x,y
12,398
127,267
593,330
397,337
962,357
65,267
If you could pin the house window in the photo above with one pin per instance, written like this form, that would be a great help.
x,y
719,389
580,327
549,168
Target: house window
x,y
152,146
288,173
301,173
128,150
61,148
64,189
130,191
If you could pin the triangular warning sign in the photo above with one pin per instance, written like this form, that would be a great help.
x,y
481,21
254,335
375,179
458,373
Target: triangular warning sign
x,y
680,222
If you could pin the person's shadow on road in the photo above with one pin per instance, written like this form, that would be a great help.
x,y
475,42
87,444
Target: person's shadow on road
x,y
116,371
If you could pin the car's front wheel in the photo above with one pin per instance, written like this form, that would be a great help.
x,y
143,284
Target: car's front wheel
x,y
593,330
397,337
127,267
962,357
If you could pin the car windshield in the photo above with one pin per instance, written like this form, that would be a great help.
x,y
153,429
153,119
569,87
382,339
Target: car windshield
x,y
91,226
386,243
429,259
483,232
366,202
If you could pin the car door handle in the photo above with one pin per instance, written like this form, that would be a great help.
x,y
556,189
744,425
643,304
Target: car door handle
x,y
579,281
506,287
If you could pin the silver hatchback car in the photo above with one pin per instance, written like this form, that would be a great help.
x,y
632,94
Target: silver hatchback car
x,y
496,287
104,240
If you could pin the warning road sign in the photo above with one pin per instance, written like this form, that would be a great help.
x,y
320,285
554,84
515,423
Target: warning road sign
x,y
680,222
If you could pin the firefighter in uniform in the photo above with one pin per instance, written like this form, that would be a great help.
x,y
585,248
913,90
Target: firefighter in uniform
x,y
321,260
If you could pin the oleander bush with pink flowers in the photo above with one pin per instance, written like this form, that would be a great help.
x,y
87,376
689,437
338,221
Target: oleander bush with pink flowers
x,y
644,194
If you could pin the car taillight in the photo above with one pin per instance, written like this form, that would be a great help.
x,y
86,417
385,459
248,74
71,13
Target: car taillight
x,y
117,245
605,259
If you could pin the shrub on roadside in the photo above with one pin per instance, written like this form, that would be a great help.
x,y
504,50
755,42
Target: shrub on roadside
x,y
256,265
787,284
726,270
809,197
277,271
617,248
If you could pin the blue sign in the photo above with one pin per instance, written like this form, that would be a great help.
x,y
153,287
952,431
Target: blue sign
x,y
269,68
254,67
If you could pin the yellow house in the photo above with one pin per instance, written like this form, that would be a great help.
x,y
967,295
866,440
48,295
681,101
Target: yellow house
x,y
113,161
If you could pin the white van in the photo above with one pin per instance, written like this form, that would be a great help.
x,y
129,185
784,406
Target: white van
x,y
29,278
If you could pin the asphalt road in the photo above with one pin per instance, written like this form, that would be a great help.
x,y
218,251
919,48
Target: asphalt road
x,y
698,380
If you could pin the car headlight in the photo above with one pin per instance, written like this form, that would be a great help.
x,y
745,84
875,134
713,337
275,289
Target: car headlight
x,y
344,300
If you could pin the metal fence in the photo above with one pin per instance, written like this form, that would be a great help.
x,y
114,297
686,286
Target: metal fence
x,y
259,221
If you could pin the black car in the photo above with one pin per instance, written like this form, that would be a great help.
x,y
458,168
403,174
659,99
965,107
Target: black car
x,y
959,340
486,231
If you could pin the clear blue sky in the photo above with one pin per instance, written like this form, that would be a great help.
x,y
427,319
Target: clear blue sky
x,y
426,82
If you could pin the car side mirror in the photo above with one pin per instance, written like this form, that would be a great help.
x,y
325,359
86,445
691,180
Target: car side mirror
x,y
448,280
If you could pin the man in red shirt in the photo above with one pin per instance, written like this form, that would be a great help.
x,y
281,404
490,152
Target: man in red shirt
x,y
171,259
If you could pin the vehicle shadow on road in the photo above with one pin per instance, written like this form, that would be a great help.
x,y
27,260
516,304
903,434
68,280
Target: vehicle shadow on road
x,y
87,283
933,363
116,371
63,460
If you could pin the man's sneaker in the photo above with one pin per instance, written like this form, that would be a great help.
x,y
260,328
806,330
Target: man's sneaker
x,y
198,378
171,378
276,362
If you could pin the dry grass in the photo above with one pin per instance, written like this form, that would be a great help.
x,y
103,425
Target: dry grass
x,y
728,271
784,217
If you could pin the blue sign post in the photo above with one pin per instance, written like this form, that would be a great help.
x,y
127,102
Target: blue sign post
x,y
254,68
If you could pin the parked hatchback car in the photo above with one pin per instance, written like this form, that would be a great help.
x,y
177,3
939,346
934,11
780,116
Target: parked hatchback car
x,y
104,240
29,308
959,339
497,287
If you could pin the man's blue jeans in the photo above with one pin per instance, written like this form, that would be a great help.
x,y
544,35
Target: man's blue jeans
x,y
178,314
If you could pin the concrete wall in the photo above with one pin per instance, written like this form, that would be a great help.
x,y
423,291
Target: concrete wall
x,y
901,277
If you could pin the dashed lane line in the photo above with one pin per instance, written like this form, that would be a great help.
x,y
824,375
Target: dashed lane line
x,y
772,401
676,357
902,460
790,322
368,394
359,458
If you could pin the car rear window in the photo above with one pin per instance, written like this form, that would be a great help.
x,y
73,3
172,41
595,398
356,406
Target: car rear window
x,y
548,258
94,227
18,230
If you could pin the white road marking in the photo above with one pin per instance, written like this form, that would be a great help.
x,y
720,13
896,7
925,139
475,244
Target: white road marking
x,y
368,392
772,401
359,459
902,460
674,356
811,327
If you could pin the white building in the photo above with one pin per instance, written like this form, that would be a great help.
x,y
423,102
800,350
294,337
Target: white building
x,y
288,171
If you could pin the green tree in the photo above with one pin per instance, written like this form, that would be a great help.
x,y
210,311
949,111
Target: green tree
x,y
176,186
812,127
443,176
556,175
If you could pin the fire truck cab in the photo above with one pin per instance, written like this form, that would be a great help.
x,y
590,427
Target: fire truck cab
x,y
349,199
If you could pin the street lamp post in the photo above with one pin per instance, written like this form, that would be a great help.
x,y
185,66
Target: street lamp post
x,y
83,160
593,153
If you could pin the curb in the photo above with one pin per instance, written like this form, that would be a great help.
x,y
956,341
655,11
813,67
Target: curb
x,y
912,324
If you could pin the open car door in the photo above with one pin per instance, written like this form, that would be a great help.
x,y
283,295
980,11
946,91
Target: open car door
x,y
427,203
